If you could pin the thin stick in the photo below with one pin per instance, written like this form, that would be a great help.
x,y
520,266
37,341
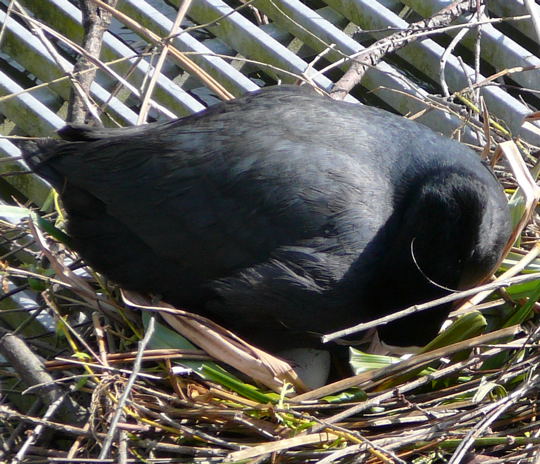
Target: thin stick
x,y
38,430
120,406
423,307
444,58
143,114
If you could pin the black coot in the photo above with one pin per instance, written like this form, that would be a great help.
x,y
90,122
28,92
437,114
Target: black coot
x,y
282,215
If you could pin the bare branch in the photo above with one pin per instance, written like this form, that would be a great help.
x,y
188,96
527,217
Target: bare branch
x,y
96,21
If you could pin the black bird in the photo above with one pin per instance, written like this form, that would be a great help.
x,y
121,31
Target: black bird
x,y
282,215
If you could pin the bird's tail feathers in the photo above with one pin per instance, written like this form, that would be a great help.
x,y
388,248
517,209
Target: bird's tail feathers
x,y
37,154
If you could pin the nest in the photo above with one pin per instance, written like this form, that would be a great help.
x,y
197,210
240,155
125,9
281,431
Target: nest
x,y
94,374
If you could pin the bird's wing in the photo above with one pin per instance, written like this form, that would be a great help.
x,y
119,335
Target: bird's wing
x,y
222,201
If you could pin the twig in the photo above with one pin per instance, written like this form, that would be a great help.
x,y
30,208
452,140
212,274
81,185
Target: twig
x,y
161,60
4,25
100,332
117,358
419,35
120,406
15,436
480,8
412,385
280,445
67,362
184,61
78,91
122,447
371,445
186,429
491,412
73,450
96,21
10,414
31,370
96,62
444,58
33,436
425,306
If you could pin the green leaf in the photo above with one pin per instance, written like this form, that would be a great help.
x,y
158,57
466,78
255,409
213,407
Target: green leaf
x,y
219,375
16,214
467,326
38,285
493,389
164,337
526,310
47,226
523,290
362,362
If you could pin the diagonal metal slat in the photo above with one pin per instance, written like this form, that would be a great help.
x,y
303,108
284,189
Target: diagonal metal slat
x,y
250,41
